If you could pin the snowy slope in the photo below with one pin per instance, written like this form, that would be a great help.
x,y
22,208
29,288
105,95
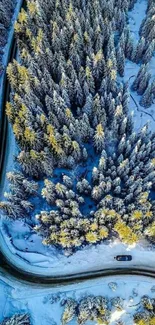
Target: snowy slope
x,y
24,248
44,304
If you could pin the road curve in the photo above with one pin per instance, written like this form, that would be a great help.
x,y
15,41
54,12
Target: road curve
x,y
29,277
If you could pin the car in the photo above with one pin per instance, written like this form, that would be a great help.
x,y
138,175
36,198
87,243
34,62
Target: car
x,y
122,258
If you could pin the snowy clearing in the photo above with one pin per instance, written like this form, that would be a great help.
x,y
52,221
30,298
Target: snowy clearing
x,y
44,304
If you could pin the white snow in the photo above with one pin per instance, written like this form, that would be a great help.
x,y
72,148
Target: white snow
x,y
141,115
116,315
43,303
24,248
136,16
44,261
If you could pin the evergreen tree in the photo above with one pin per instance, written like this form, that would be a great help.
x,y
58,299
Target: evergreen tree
x,y
139,50
122,40
125,97
147,98
149,52
131,4
143,84
129,47
141,74
120,61
78,95
69,312
17,320
151,35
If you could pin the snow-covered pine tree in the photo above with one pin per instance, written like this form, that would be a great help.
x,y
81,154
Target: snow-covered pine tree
x,y
17,320
69,311
139,50
129,44
149,52
140,76
144,82
131,4
120,61
147,98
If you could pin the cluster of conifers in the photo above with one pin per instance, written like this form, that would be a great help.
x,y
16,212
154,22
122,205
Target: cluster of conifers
x,y
71,121
143,83
6,13
145,314
17,320
100,309
95,308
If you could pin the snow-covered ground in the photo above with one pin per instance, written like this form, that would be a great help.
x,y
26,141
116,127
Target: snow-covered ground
x,y
141,115
136,16
42,260
24,248
44,304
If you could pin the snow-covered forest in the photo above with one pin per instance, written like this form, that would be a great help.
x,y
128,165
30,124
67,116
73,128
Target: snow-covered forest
x,y
77,183
78,152
100,309
79,171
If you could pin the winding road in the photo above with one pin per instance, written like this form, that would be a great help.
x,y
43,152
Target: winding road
x,y
23,275
29,277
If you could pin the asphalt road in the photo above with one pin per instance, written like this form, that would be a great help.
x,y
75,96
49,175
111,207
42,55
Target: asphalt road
x,y
29,277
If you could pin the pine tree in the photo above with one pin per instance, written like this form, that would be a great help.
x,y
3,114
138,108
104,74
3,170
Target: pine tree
x,y
122,21
129,45
17,320
122,40
78,94
125,97
131,4
96,109
69,312
143,84
140,50
151,34
120,61
140,76
147,99
16,208
99,137
149,52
